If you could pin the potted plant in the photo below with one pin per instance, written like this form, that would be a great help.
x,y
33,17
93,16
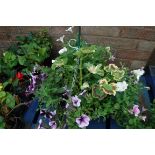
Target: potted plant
x,y
84,84
18,70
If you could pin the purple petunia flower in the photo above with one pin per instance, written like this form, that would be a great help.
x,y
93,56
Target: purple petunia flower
x,y
42,76
32,85
53,124
76,101
47,114
67,105
40,126
53,112
35,79
83,121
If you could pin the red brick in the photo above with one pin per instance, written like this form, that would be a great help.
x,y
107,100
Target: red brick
x,y
138,33
135,64
61,30
149,27
27,29
125,62
10,29
110,31
133,54
116,43
5,44
146,45
5,36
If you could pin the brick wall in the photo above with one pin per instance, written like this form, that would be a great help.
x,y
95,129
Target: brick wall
x,y
132,45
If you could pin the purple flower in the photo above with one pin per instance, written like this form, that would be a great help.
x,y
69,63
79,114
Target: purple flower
x,y
135,110
67,105
32,85
40,126
53,124
76,101
42,76
47,114
83,121
53,112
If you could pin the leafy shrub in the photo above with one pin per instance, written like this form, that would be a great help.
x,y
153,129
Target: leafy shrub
x,y
16,66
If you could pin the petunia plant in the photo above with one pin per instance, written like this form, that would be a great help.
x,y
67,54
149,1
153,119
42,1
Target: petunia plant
x,y
17,69
85,84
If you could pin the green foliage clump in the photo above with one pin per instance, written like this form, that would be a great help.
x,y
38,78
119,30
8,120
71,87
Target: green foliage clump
x,y
20,58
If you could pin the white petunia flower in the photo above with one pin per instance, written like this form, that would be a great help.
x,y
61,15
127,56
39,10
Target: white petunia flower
x,y
112,58
138,73
108,48
53,61
63,50
70,29
94,69
121,86
143,118
85,85
61,39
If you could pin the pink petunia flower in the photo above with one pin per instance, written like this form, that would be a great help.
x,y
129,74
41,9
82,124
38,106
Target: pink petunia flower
x,y
135,110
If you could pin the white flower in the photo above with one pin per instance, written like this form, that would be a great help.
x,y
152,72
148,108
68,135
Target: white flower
x,y
143,118
138,73
94,69
85,85
53,61
108,49
112,58
70,29
63,50
67,105
148,88
61,39
121,86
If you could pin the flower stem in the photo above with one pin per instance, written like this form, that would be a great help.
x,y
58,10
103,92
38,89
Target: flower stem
x,y
80,67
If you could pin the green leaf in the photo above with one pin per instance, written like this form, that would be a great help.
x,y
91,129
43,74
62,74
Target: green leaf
x,y
10,59
117,106
107,87
10,101
21,60
2,123
2,94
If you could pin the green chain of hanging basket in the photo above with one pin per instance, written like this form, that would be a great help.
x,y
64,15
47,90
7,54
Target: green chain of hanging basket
x,y
79,37
78,44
